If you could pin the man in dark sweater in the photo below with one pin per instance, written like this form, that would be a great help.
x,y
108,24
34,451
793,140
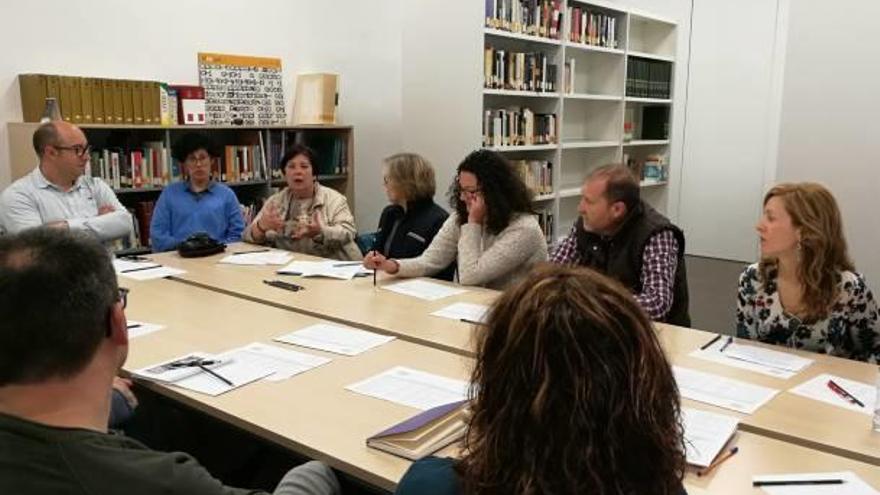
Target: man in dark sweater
x,y
62,340
623,237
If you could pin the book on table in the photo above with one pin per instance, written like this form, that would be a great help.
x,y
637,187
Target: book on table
x,y
424,433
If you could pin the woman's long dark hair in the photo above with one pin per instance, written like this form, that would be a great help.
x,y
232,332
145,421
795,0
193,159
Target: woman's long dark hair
x,y
503,190
572,393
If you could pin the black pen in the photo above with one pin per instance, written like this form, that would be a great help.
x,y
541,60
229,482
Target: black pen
x,y
252,251
134,325
729,341
798,482
206,370
473,322
709,344
139,269
374,270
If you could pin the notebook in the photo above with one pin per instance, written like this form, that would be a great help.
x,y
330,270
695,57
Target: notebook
x,y
424,433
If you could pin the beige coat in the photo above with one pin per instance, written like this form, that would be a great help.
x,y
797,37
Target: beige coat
x,y
338,231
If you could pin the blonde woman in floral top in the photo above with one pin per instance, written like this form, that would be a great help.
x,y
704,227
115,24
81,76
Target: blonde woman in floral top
x,y
805,293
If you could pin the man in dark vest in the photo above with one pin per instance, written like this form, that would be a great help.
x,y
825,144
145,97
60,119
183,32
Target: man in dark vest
x,y
621,236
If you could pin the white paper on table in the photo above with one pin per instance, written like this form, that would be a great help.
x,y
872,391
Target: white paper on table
x,y
284,362
196,379
705,434
720,391
274,257
423,289
765,361
335,338
120,265
817,389
412,388
153,273
327,269
140,328
852,484
464,311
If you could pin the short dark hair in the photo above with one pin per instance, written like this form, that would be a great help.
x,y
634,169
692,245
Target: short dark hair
x,y
296,150
56,290
193,141
45,135
621,184
503,190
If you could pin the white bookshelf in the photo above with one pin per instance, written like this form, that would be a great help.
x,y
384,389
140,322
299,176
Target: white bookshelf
x,y
591,113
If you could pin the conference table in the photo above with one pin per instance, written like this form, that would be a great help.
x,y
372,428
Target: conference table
x,y
809,429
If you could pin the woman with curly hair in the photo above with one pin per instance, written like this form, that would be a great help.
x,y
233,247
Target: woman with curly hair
x,y
571,393
805,293
493,232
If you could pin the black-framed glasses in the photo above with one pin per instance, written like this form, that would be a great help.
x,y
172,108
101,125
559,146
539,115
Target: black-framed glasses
x,y
79,150
123,296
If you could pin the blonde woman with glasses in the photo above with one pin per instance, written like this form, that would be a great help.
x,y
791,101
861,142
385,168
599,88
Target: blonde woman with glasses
x,y
805,292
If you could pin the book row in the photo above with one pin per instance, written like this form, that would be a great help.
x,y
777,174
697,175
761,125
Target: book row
x,y
518,71
648,78
536,174
518,127
592,28
541,18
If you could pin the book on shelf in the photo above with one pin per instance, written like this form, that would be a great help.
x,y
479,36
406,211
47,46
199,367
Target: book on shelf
x,y
424,433
542,18
655,122
546,222
518,127
652,168
568,77
241,164
330,153
592,28
629,124
518,71
648,78
536,174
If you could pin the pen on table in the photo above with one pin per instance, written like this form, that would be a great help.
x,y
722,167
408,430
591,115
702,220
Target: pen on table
x,y
798,482
473,322
376,269
206,370
729,341
252,251
843,393
723,457
133,325
141,268
709,344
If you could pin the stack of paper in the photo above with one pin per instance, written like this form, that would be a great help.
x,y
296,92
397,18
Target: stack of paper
x,y
722,392
225,373
271,257
753,358
329,269
850,484
140,328
335,338
705,434
412,388
818,389
143,270
464,311
423,289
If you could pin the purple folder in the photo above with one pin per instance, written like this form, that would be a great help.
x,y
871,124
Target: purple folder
x,y
420,420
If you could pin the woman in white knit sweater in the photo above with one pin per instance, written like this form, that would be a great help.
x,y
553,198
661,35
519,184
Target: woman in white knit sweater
x,y
493,233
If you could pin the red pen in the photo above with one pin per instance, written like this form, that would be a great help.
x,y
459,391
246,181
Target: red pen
x,y
844,394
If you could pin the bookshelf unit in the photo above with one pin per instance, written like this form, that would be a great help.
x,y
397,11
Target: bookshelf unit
x,y
334,147
594,103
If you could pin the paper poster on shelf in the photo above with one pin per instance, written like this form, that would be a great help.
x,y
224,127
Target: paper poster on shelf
x,y
242,90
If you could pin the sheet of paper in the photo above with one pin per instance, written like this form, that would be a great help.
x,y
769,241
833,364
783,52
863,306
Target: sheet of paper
x,y
720,391
274,257
239,372
141,328
423,289
330,269
464,311
153,273
705,434
412,388
284,362
335,338
852,484
121,265
748,357
817,389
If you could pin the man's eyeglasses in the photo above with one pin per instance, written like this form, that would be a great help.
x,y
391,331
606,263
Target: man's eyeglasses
x,y
199,159
77,149
123,298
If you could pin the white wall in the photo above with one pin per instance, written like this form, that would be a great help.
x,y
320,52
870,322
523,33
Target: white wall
x,y
829,131
360,39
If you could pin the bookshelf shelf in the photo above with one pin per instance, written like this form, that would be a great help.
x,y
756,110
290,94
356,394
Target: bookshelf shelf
x,y
647,142
589,96
571,145
595,122
510,92
651,56
523,37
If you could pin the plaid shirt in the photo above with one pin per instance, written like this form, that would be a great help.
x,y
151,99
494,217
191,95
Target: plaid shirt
x,y
659,262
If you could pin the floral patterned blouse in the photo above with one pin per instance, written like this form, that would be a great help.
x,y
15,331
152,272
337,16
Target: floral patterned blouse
x,y
851,330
